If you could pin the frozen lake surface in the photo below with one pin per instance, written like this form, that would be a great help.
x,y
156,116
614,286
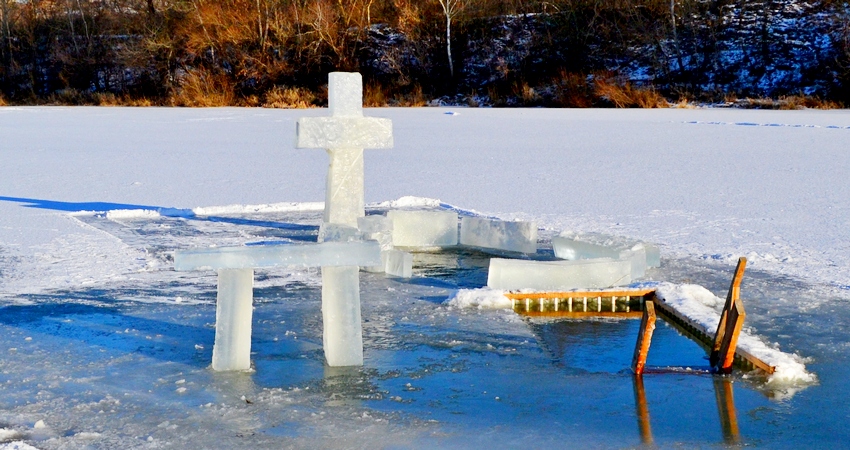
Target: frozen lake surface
x,y
103,345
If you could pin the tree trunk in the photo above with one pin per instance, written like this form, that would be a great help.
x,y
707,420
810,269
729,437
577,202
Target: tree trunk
x,y
449,44
6,35
675,35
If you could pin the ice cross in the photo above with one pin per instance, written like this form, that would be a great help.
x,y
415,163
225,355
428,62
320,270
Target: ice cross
x,y
344,135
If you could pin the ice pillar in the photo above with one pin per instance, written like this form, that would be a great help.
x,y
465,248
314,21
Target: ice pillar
x,y
344,135
233,312
342,335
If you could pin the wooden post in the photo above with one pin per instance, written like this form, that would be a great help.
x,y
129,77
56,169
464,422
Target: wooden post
x,y
647,326
734,323
731,298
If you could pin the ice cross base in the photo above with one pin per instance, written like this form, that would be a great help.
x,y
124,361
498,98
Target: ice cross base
x,y
234,302
343,135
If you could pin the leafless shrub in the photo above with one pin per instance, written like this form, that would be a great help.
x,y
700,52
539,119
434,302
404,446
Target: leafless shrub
x,y
201,88
627,96
571,90
290,97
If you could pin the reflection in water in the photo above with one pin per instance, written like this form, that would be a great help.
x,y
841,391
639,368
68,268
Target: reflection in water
x,y
348,386
723,391
642,410
726,409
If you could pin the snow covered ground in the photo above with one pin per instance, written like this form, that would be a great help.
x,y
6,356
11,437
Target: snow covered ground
x,y
108,346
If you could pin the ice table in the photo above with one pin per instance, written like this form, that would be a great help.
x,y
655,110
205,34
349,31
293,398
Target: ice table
x,y
235,267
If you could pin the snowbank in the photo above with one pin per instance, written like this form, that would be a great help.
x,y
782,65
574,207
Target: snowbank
x,y
484,298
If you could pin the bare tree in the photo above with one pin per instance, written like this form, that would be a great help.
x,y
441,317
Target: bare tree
x,y
675,34
451,8
6,47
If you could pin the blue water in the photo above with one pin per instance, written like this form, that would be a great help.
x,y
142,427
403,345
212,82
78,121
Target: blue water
x,y
110,361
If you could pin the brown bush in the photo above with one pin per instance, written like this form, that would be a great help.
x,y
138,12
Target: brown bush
x,y
2,100
374,95
201,88
379,95
526,95
290,97
571,90
806,102
627,96
414,98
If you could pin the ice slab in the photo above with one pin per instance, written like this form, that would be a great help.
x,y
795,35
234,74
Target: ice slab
x,y
573,249
362,253
342,334
572,246
423,228
512,274
499,234
377,228
335,232
637,258
398,263
233,313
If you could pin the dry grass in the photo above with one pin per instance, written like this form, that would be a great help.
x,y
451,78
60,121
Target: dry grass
x,y
572,91
806,102
374,95
627,96
526,94
290,97
788,102
3,100
414,98
141,102
200,88
377,95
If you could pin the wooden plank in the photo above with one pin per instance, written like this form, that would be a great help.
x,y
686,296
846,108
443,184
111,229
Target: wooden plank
x,y
731,297
698,334
579,314
734,323
579,294
647,327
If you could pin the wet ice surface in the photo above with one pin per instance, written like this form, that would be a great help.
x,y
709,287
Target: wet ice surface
x,y
127,364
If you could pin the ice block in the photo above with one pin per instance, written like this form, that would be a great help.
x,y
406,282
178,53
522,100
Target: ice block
x,y
342,334
593,245
334,232
233,313
377,228
637,258
423,228
398,263
511,274
572,249
498,234
358,253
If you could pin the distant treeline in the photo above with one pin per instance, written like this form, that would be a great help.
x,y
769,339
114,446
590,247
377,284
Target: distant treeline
x,y
411,52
